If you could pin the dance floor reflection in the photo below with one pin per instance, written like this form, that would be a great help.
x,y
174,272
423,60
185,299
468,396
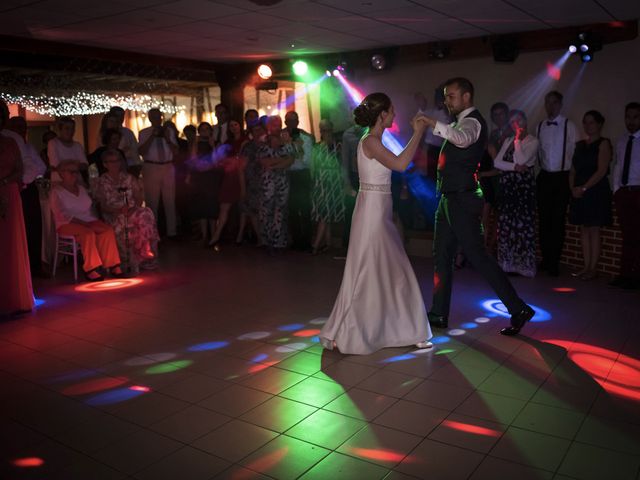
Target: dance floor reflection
x,y
211,368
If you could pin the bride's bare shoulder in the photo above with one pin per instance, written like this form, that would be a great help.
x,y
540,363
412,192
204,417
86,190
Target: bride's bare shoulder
x,y
368,145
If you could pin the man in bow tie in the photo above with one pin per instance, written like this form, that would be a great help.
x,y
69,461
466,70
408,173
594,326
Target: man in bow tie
x,y
557,136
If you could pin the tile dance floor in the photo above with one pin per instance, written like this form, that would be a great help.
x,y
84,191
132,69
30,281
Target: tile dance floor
x,y
210,368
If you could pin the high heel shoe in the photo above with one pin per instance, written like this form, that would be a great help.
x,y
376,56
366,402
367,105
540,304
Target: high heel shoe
x,y
215,246
424,345
99,278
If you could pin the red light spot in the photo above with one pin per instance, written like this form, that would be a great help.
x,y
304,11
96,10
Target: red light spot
x,y
140,388
306,333
262,366
436,280
618,374
475,429
441,161
95,385
378,454
616,24
109,285
553,71
394,128
28,462
564,289
266,462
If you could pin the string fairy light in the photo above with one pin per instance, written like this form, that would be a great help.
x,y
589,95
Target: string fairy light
x,y
84,103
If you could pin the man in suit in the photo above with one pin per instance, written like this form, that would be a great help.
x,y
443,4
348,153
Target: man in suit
x,y
459,212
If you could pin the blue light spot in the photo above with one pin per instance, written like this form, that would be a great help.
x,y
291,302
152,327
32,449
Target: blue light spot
x,y
259,358
113,396
75,375
398,358
438,340
496,307
202,347
291,327
469,325
315,339
38,301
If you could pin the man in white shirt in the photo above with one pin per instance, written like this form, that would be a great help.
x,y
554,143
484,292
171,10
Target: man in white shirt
x,y
221,129
157,146
32,168
460,208
626,187
64,148
128,143
557,136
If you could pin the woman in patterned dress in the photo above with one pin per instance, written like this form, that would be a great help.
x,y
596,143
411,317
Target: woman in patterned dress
x,y
250,203
327,204
517,204
275,157
142,234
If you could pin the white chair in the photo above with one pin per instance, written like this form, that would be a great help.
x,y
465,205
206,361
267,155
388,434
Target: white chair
x,y
66,245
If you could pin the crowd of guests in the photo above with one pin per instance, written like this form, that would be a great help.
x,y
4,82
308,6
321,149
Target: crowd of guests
x,y
285,190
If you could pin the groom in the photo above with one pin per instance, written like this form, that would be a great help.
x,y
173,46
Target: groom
x,y
460,209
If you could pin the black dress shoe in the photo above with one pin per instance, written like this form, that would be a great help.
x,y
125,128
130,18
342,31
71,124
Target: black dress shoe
x,y
518,320
438,321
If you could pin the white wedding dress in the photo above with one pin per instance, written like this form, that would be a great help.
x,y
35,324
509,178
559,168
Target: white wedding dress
x,y
379,304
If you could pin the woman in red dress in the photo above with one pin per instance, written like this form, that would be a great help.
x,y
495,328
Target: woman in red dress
x,y
232,189
16,292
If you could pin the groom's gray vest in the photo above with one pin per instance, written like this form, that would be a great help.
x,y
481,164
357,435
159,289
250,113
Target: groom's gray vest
x,y
457,167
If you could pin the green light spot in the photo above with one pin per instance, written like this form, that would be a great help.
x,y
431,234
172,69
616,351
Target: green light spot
x,y
445,351
168,367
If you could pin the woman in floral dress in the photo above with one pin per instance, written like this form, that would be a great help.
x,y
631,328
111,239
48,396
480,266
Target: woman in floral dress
x,y
517,204
327,204
120,196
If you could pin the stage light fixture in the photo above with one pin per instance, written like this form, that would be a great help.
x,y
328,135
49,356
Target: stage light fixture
x,y
378,61
264,71
300,68
328,73
586,44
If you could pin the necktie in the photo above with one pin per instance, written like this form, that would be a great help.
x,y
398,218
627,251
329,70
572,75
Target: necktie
x,y
551,123
627,161
160,145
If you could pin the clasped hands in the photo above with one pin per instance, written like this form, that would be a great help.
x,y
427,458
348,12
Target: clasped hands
x,y
420,122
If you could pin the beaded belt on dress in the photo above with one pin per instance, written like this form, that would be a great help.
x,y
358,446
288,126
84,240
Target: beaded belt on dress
x,y
372,187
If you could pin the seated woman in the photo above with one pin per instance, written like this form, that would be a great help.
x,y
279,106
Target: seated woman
x,y
110,139
73,213
517,204
120,196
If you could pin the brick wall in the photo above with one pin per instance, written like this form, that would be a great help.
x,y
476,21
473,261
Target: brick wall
x,y
611,248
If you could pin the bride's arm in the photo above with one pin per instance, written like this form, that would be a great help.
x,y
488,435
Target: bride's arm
x,y
375,149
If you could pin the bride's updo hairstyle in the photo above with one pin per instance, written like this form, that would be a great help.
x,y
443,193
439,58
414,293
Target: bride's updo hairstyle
x,y
366,114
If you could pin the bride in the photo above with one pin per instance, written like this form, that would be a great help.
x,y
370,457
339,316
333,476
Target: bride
x,y
379,304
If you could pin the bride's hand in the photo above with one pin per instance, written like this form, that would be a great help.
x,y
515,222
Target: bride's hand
x,y
419,122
